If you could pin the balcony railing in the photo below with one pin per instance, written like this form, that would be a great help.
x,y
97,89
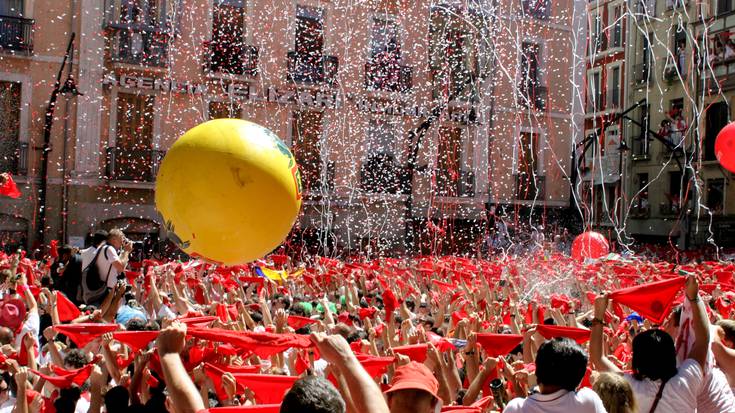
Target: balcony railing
x,y
390,77
137,165
14,156
313,69
461,184
139,45
536,96
612,101
643,73
676,4
16,33
671,73
539,9
640,212
668,208
234,59
529,187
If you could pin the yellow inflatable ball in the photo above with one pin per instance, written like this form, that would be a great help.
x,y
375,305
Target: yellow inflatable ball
x,y
228,191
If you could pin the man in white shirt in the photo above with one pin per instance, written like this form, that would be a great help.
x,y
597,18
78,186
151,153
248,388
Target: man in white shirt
x,y
560,367
109,263
87,254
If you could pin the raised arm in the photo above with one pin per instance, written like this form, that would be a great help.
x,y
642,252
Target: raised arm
x,y
597,356
365,394
700,323
183,392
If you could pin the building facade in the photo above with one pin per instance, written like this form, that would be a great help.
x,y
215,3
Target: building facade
x,y
676,190
343,84
600,155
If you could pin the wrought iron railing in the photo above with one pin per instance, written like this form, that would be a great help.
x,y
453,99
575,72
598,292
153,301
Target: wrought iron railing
x,y
388,76
539,9
139,45
530,187
643,72
535,96
235,59
137,165
315,68
14,156
16,33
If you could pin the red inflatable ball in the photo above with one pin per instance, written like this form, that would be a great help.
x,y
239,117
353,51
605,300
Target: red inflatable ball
x,y
725,147
590,244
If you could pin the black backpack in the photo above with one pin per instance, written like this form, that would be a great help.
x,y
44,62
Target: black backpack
x,y
93,288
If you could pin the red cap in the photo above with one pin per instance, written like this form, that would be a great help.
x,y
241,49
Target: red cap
x,y
414,376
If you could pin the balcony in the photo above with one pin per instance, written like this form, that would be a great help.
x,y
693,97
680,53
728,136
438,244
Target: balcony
x,y
135,165
14,156
312,69
612,102
668,209
642,73
139,45
640,211
538,9
16,34
233,59
535,97
676,4
316,182
529,188
390,77
672,73
460,184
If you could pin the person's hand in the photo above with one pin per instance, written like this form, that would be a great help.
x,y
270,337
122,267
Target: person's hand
x,y
333,348
172,339
692,288
97,379
490,363
529,333
229,384
21,377
433,358
601,306
281,319
96,315
107,338
198,375
37,404
49,333
127,245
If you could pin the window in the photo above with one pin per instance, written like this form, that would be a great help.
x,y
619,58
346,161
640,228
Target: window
x,y
540,9
644,8
641,204
383,70
229,53
715,196
134,121
454,58
529,184
613,88
616,32
675,4
132,156
380,170
674,194
223,110
139,33
307,134
676,126
641,139
597,37
717,117
532,93
724,6
642,71
448,162
11,8
594,95
307,62
10,101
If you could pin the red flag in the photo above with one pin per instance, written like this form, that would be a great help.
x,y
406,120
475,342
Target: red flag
x,y
262,344
653,300
136,340
9,188
580,335
416,352
498,344
364,313
54,249
297,322
64,379
66,309
375,366
83,333
390,303
267,388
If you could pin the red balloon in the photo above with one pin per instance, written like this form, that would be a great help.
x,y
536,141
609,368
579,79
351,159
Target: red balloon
x,y
590,244
725,147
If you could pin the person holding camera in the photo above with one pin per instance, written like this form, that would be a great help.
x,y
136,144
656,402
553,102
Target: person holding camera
x,y
110,264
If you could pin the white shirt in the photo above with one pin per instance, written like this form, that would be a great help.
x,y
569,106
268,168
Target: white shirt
x,y
104,263
32,325
8,406
562,401
87,256
680,393
716,395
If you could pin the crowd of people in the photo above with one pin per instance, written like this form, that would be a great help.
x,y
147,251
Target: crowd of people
x,y
89,331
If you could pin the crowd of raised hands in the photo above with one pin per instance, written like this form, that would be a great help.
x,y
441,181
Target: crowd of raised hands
x,y
428,334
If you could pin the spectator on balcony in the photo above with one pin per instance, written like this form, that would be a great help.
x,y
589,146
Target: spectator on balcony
x,y
681,58
729,50
665,129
